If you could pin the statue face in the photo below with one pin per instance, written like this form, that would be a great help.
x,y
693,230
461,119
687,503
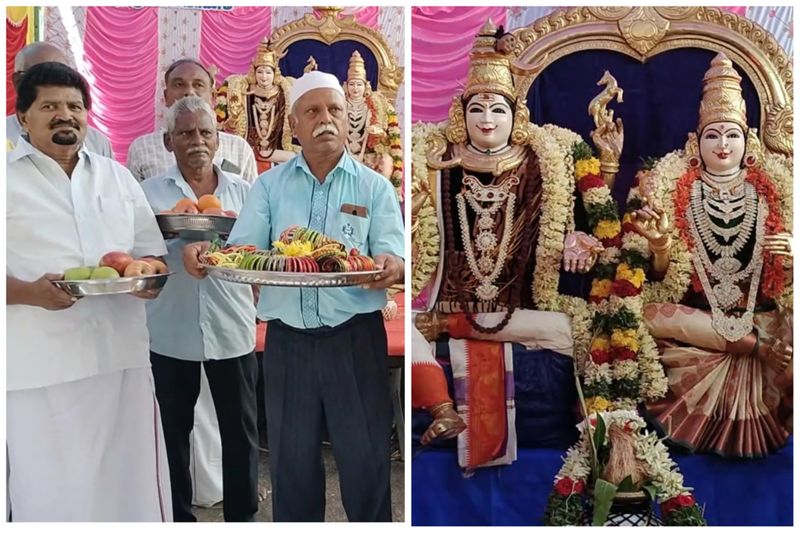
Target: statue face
x,y
356,89
722,147
265,76
489,121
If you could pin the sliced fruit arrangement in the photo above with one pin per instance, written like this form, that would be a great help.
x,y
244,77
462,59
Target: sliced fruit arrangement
x,y
297,249
208,204
117,265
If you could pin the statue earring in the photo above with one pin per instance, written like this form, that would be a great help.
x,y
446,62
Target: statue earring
x,y
693,151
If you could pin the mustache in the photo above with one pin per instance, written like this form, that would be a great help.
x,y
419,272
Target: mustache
x,y
59,123
325,128
193,151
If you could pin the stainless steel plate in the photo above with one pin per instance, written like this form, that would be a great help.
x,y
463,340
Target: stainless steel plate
x,y
194,226
293,279
101,287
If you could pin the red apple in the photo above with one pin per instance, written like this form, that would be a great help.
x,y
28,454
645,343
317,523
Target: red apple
x,y
213,211
139,268
229,213
119,261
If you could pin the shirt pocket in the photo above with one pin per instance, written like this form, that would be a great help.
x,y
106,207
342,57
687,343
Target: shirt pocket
x,y
353,231
117,222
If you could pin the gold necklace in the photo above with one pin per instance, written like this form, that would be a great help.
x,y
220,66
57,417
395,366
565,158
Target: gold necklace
x,y
488,267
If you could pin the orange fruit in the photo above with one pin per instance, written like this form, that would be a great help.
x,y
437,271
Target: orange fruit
x,y
182,204
208,201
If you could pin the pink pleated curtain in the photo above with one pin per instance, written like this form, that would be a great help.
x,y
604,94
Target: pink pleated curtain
x,y
121,59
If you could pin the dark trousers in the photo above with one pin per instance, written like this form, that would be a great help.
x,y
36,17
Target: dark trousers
x,y
335,378
233,387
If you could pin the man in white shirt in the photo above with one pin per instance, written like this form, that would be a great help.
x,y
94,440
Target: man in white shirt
x,y
31,55
148,156
84,440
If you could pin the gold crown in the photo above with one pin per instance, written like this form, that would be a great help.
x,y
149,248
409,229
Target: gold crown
x,y
489,69
266,56
356,70
722,95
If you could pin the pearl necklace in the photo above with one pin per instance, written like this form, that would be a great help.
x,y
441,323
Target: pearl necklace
x,y
486,269
726,270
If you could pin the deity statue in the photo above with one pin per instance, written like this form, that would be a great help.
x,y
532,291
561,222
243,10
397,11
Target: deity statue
x,y
254,106
373,131
714,220
493,221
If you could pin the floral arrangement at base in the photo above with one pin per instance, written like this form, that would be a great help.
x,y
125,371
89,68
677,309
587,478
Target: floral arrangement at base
x,y
615,452
653,472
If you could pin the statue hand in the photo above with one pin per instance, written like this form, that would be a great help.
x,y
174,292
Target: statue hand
x,y
580,251
609,137
446,424
779,244
777,354
431,325
653,223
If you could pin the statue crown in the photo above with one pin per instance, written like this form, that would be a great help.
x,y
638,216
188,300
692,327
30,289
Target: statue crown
x,y
356,70
722,95
489,68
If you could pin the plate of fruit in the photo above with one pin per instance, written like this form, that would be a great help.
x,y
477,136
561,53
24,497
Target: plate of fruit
x,y
116,273
196,220
301,257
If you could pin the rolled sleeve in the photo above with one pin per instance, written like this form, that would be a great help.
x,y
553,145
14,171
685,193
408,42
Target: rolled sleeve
x,y
254,225
386,235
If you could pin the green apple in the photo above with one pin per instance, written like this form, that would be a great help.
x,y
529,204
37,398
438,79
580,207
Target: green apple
x,y
77,273
104,272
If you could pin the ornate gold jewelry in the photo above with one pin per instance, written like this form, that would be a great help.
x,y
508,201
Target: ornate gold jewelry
x,y
456,131
489,265
727,272
722,95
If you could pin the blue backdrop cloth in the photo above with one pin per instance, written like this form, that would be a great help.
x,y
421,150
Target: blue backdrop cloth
x,y
333,58
660,104
735,493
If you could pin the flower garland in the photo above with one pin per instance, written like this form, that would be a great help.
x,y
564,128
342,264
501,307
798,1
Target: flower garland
x,y
425,237
622,369
566,503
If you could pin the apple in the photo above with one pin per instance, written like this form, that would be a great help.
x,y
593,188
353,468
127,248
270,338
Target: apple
x,y
213,211
160,267
78,273
139,268
119,261
229,213
104,272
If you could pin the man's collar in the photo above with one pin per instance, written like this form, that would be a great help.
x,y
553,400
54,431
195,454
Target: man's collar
x,y
223,180
24,149
346,164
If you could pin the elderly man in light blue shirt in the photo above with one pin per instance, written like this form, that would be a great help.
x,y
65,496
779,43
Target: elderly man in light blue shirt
x,y
206,322
326,351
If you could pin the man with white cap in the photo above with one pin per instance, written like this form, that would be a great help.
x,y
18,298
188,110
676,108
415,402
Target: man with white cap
x,y
325,359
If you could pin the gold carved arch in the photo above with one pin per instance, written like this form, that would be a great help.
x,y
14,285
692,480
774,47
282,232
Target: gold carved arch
x,y
644,32
332,28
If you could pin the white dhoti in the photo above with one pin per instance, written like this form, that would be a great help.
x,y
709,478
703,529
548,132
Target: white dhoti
x,y
88,450
205,449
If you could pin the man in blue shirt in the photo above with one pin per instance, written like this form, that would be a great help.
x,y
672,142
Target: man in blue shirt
x,y
325,359
203,322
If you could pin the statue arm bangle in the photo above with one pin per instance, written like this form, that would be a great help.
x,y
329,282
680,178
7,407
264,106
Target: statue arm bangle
x,y
660,260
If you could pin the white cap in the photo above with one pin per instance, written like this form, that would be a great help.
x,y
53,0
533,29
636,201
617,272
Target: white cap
x,y
313,80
